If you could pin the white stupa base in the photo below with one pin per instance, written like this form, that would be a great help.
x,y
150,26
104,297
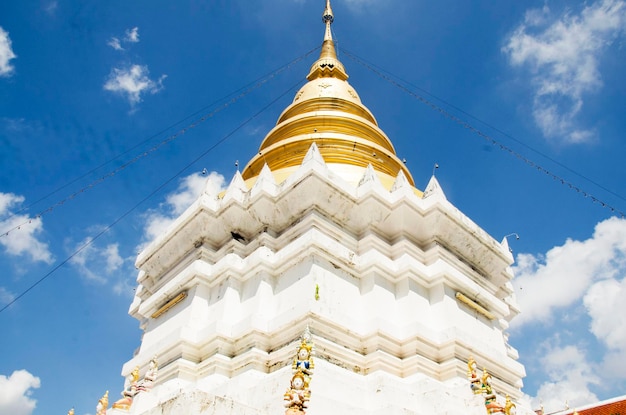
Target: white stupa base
x,y
334,390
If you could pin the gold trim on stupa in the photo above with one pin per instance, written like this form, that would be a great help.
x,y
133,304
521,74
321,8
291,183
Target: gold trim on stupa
x,y
327,111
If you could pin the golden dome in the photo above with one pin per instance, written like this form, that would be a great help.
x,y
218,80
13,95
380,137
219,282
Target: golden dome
x,y
327,111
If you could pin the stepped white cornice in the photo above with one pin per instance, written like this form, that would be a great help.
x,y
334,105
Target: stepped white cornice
x,y
242,212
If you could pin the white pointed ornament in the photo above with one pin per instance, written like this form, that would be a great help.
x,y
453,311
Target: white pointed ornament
x,y
237,188
370,182
505,244
313,159
265,182
433,189
401,183
213,188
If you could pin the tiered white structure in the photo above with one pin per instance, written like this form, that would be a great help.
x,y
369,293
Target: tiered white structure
x,y
324,229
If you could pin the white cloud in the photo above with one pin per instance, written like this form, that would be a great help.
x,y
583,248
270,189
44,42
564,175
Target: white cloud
x,y
102,264
23,231
569,378
606,306
566,273
7,201
156,224
125,286
16,398
97,264
132,82
115,43
567,281
604,300
563,58
190,188
132,35
113,259
6,54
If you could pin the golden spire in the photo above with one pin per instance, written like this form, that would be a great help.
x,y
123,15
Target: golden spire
x,y
327,111
328,64
328,18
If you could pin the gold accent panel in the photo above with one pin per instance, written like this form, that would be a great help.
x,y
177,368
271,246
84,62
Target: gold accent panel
x,y
168,305
474,306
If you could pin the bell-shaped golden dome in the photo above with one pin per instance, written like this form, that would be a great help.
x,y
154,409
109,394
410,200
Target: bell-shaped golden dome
x,y
328,111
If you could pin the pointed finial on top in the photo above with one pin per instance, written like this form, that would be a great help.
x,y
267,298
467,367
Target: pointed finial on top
x,y
327,65
328,18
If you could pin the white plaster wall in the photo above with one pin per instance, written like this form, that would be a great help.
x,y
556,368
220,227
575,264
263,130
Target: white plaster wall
x,y
390,334
333,391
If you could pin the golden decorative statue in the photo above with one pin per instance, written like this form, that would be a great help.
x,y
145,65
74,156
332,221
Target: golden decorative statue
x,y
509,407
303,361
297,396
471,367
70,412
486,382
148,380
129,393
473,378
491,402
103,404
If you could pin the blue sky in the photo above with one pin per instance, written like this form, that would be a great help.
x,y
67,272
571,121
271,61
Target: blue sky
x,y
88,88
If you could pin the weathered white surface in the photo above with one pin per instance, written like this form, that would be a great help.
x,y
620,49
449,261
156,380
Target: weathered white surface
x,y
390,335
334,391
